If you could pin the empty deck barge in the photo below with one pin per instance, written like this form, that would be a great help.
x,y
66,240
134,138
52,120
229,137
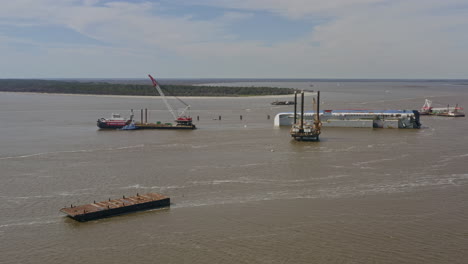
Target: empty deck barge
x,y
108,208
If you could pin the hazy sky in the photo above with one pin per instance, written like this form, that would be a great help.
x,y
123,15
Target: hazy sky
x,y
234,38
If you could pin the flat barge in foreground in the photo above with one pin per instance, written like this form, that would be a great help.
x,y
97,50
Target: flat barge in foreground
x,y
108,208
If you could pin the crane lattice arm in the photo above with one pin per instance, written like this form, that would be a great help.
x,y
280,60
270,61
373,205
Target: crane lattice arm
x,y
156,85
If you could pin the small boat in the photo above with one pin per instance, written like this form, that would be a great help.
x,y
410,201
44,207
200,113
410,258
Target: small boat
x,y
130,126
283,102
116,121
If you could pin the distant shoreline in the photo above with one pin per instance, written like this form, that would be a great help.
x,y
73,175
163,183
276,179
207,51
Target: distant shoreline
x,y
156,97
100,88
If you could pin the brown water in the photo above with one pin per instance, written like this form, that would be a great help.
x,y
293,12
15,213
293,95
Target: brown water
x,y
242,191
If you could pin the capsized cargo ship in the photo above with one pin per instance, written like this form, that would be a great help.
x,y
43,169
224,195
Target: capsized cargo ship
x,y
357,118
109,208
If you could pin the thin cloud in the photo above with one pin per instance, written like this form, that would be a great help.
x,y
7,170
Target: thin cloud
x,y
359,39
293,8
235,16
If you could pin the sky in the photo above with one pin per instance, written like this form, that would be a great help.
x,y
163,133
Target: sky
x,y
371,39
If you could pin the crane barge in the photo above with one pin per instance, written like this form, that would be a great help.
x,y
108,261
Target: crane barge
x,y
181,118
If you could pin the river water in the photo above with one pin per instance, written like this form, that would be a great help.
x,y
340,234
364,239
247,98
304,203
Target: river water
x,y
242,190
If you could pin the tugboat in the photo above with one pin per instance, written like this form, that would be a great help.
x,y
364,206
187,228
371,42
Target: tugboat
x,y
116,121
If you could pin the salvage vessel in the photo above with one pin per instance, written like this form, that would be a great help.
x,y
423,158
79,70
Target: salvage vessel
x,y
449,111
108,208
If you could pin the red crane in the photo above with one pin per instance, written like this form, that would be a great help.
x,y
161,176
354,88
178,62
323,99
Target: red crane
x,y
180,117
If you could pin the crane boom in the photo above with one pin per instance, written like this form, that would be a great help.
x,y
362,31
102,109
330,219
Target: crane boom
x,y
156,85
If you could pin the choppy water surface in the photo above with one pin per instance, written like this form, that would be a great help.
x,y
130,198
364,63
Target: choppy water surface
x,y
242,191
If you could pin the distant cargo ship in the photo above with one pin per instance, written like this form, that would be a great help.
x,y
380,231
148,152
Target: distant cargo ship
x,y
357,118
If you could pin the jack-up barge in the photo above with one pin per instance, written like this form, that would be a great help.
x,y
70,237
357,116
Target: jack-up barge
x,y
302,130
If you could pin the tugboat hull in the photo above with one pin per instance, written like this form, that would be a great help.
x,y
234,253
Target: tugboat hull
x,y
109,124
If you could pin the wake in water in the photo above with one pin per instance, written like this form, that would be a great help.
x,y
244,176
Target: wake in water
x,y
70,151
314,188
379,160
160,188
30,222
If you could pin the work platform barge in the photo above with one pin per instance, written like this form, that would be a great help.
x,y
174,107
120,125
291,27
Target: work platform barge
x,y
125,205
303,130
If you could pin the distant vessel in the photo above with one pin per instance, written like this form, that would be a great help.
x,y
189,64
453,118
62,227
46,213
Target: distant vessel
x,y
116,121
283,102
427,109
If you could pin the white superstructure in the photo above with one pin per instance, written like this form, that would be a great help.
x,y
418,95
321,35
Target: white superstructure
x,y
357,118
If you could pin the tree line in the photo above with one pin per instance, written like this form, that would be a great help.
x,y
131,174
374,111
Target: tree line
x,y
105,88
